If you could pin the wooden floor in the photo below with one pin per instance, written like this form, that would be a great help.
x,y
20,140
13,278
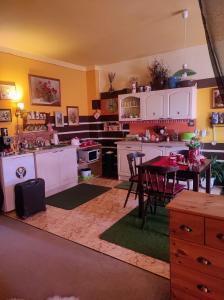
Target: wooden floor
x,y
85,223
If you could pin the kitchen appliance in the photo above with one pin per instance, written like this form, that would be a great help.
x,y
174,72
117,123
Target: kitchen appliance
x,y
89,155
15,169
187,136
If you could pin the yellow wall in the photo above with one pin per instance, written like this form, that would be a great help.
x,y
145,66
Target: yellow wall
x,y
92,81
73,85
204,110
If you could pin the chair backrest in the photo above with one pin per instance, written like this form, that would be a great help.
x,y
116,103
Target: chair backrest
x,y
156,178
134,159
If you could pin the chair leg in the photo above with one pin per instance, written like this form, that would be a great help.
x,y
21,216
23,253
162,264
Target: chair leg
x,y
129,192
148,204
136,192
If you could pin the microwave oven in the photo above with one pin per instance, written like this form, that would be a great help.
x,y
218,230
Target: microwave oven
x,y
89,155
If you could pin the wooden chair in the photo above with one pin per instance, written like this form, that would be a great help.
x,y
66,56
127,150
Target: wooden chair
x,y
133,160
179,178
160,184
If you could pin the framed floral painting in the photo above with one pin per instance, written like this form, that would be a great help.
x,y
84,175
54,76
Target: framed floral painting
x,y
73,115
44,91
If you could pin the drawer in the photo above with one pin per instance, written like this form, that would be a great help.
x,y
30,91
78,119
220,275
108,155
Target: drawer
x,y
187,227
199,285
130,147
214,233
197,257
180,295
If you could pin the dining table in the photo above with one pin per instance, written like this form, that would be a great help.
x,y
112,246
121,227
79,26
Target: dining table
x,y
185,172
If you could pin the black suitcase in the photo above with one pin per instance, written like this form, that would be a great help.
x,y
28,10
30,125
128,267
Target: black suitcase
x,y
30,197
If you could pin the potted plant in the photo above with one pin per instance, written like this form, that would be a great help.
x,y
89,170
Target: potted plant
x,y
217,173
159,74
194,149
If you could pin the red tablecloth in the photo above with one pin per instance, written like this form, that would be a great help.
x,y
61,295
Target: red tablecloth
x,y
164,161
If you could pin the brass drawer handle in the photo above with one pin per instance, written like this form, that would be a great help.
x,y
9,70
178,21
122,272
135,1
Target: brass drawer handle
x,y
203,261
220,236
203,288
186,228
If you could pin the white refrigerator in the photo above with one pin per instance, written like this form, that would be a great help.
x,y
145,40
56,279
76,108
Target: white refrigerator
x,y
15,169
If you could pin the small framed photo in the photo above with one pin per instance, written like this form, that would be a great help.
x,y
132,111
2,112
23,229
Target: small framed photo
x,y
217,101
7,90
59,119
73,115
5,115
44,91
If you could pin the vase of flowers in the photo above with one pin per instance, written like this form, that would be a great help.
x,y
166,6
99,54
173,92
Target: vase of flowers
x,y
194,149
111,77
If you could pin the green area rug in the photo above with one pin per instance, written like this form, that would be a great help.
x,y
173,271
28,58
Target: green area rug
x,y
152,241
125,186
76,196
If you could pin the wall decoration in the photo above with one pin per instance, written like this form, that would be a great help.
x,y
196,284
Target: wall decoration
x,y
217,99
7,90
44,91
59,119
73,115
5,115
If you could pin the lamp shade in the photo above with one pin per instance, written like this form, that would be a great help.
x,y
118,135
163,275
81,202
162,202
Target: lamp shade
x,y
184,71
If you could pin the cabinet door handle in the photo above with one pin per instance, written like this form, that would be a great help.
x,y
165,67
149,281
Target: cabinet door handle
x,y
220,236
203,288
203,261
128,147
186,228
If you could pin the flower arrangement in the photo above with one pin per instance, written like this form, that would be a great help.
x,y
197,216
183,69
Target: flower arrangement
x,y
46,91
159,74
111,77
194,143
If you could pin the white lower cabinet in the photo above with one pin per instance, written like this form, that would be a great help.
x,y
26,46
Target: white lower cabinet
x,y
152,151
122,161
58,168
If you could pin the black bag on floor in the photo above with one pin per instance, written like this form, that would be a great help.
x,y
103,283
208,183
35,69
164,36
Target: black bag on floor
x,y
30,197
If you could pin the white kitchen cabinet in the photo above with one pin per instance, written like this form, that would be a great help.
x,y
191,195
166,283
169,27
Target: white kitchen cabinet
x,y
154,105
122,162
179,103
130,107
169,149
152,151
58,168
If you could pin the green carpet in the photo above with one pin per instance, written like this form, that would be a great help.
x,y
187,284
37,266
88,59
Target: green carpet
x,y
76,196
125,186
152,241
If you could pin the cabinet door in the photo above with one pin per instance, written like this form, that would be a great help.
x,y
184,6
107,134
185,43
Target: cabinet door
x,y
180,103
152,152
47,167
155,102
123,168
67,161
129,107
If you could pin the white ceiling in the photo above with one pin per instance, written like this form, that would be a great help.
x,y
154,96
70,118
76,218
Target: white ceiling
x,y
98,32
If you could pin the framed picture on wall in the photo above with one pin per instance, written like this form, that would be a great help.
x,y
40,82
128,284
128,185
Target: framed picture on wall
x,y
44,91
73,115
217,99
7,90
5,115
59,119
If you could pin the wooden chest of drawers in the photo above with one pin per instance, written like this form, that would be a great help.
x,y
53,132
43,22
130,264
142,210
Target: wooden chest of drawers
x,y
197,246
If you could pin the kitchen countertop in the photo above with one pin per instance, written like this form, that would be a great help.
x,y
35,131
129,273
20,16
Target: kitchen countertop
x,y
158,144
40,150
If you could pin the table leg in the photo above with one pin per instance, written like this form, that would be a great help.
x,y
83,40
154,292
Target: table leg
x,y
196,183
140,194
208,177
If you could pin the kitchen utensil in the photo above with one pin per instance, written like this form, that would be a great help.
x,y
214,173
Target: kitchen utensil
x,y
187,136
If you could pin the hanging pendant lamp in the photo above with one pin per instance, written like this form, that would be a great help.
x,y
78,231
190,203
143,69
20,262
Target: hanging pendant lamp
x,y
185,71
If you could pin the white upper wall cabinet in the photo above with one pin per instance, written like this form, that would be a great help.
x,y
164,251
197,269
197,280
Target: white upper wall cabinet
x,y
177,103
